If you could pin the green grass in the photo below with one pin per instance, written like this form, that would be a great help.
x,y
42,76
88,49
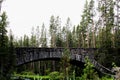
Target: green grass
x,y
46,77
32,76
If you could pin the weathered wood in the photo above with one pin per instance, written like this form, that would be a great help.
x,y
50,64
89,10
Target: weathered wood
x,y
27,54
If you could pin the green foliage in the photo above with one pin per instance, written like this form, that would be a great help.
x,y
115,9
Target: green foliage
x,y
47,71
6,62
26,40
59,42
113,64
27,73
88,72
3,32
106,78
54,75
65,61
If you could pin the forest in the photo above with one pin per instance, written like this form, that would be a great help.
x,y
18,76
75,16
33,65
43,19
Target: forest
x,y
99,27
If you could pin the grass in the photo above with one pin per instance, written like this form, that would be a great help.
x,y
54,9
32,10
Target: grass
x,y
46,77
32,76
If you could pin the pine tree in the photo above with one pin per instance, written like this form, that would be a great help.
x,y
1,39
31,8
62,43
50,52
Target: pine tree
x,y
65,61
58,41
84,25
37,36
20,42
52,31
117,24
68,26
3,47
63,35
79,35
91,28
3,32
11,50
43,38
33,38
106,8
74,37
106,24
26,42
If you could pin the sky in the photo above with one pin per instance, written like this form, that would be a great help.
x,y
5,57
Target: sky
x,y
25,14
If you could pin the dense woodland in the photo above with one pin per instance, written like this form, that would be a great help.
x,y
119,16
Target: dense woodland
x,y
99,27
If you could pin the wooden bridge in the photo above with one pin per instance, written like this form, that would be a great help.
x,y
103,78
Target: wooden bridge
x,y
29,54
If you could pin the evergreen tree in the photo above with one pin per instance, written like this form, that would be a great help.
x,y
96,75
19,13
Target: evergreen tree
x,y
26,41
58,41
37,36
3,32
65,61
43,38
68,26
79,36
74,37
91,28
52,31
20,42
33,38
106,23
117,24
11,57
106,8
3,48
63,35
84,25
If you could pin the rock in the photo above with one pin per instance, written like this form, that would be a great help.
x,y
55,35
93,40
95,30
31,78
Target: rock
x,y
117,73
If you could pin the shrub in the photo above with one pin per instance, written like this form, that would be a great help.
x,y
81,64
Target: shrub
x,y
54,75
